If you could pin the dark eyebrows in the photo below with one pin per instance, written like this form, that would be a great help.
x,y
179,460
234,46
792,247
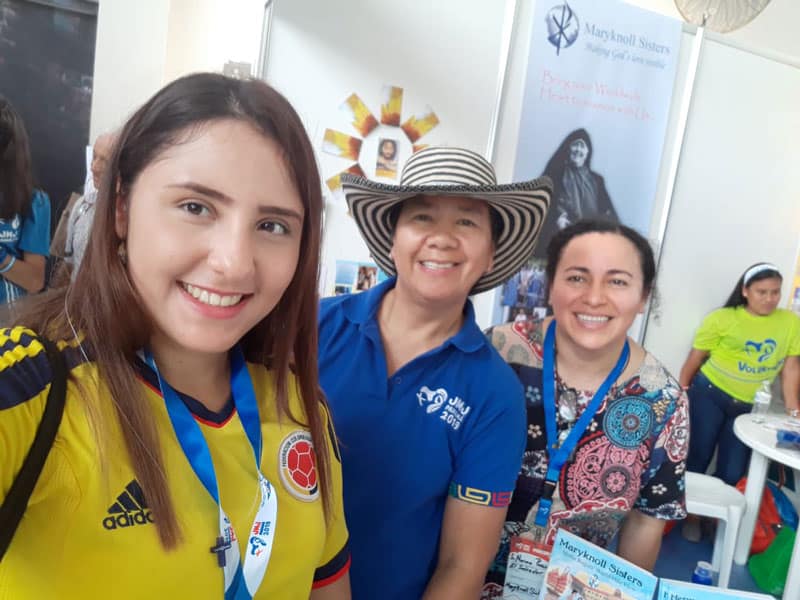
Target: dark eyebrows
x,y
609,272
279,211
471,208
465,206
201,189
264,209
620,272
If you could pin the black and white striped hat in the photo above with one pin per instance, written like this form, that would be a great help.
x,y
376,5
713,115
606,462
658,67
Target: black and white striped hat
x,y
453,172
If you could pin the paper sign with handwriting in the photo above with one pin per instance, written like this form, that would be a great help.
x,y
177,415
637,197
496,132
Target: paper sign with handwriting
x,y
527,563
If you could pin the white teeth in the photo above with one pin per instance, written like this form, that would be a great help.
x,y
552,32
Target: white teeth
x,y
437,265
593,318
211,299
230,300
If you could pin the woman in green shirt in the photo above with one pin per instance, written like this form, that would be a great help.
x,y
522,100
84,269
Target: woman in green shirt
x,y
738,346
748,341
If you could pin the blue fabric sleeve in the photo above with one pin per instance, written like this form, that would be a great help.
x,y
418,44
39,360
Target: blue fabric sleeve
x,y
489,460
35,235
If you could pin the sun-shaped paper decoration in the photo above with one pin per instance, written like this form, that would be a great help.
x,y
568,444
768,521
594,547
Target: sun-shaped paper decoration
x,y
393,138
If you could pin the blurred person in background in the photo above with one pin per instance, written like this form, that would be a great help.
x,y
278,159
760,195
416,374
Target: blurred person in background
x,y
24,216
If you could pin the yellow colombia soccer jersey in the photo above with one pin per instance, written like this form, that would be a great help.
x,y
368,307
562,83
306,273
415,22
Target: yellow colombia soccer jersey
x,y
89,533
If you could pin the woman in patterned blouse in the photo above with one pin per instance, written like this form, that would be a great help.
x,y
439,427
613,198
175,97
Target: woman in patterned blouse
x,y
625,473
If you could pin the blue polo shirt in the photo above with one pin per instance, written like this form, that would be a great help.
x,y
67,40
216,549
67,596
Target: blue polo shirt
x,y
21,234
450,422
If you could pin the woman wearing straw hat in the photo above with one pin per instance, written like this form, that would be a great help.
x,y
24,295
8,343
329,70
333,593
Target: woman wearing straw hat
x,y
430,419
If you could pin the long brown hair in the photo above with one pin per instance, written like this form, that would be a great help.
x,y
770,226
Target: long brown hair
x,y
105,307
16,179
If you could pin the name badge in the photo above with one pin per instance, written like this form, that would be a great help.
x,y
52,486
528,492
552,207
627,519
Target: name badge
x,y
525,569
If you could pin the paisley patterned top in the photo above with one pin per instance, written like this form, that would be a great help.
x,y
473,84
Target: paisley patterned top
x,y
632,455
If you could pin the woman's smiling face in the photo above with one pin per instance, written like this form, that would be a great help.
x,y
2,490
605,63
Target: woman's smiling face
x,y
597,290
442,245
212,228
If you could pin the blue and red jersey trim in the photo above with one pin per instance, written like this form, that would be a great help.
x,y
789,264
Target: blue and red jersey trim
x,y
334,570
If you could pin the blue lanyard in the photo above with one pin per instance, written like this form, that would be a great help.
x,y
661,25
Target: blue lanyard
x,y
240,582
558,455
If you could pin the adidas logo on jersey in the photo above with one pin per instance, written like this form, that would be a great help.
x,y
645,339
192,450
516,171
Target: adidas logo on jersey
x,y
130,509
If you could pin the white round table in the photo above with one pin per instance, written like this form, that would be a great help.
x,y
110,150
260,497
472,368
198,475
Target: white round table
x,y
762,441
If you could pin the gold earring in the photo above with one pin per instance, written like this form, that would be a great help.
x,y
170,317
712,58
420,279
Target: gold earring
x,y
122,253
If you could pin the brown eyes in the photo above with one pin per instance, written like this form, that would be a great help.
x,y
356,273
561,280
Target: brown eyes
x,y
195,208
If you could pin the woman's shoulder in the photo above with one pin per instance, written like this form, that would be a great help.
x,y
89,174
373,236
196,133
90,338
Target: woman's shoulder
x,y
17,344
656,380
720,318
652,363
778,318
40,198
786,316
40,204
24,368
265,382
723,312
519,342
37,215
787,323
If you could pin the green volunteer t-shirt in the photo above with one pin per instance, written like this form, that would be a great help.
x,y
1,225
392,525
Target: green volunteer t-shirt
x,y
746,349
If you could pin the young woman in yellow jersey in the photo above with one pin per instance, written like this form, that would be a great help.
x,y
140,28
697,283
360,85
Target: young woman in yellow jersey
x,y
195,457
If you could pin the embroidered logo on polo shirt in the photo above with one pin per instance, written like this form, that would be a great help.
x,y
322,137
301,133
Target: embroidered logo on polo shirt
x,y
453,409
297,465
433,398
129,510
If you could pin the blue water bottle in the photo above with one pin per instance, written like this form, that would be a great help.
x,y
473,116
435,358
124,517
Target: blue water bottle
x,y
702,573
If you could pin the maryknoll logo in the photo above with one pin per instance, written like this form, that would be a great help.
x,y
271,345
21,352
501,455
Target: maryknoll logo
x,y
130,509
562,26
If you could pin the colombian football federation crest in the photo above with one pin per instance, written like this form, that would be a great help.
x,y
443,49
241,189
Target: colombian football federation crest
x,y
297,465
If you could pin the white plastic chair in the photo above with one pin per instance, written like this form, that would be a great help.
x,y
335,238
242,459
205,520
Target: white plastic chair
x,y
709,496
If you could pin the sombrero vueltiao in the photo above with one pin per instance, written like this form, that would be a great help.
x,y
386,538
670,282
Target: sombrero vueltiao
x,y
453,172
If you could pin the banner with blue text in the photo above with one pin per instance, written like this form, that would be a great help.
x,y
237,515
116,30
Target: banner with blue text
x,y
597,94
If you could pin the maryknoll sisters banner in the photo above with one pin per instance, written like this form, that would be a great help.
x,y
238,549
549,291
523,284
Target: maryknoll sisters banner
x,y
597,95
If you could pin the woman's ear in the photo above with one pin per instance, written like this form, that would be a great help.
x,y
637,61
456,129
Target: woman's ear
x,y
121,216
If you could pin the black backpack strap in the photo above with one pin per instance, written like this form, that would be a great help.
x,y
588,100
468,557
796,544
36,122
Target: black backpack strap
x,y
16,502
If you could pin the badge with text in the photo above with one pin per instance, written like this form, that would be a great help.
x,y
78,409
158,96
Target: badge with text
x,y
527,564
